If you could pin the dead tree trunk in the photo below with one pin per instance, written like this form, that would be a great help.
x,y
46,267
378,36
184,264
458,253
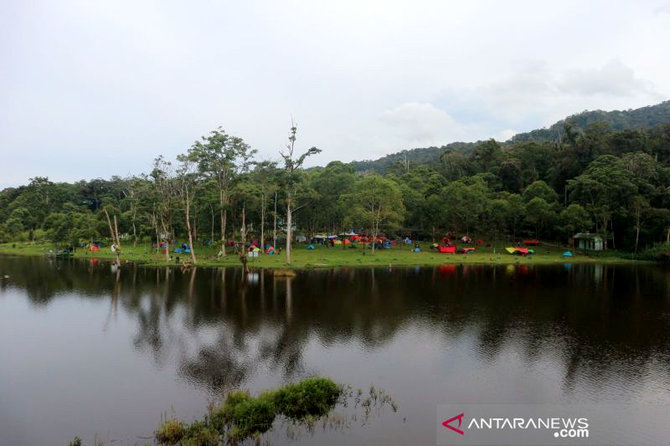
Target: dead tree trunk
x,y
114,233
243,232
187,198
288,228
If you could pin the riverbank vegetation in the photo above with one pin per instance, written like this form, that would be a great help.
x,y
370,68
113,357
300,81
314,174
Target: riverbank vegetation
x,y
242,416
216,198
324,257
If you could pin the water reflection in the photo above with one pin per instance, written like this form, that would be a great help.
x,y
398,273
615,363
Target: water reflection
x,y
224,325
597,328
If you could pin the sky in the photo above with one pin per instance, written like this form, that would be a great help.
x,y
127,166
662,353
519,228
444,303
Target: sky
x,y
99,88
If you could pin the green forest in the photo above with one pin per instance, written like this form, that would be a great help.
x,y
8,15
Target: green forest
x,y
595,175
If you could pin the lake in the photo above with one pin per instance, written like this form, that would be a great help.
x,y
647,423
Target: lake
x,y
89,352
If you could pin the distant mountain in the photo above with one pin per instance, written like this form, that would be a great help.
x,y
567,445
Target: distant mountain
x,y
415,156
644,117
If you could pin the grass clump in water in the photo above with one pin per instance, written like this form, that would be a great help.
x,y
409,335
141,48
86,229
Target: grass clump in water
x,y
242,416
313,397
172,431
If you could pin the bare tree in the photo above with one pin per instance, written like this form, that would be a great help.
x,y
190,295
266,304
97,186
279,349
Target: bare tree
x,y
116,240
187,179
291,168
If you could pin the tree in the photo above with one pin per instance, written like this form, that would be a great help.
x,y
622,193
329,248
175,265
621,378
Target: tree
x,y
487,156
497,214
605,187
290,180
114,235
517,210
222,157
465,202
539,214
166,194
574,219
328,184
245,193
187,179
455,165
542,190
641,208
376,203
58,226
265,176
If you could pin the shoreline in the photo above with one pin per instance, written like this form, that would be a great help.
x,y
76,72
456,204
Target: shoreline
x,y
331,257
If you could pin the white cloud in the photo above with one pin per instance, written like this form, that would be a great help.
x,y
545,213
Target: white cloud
x,y
612,79
421,123
122,82
505,135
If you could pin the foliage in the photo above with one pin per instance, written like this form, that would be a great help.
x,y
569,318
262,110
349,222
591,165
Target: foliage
x,y
585,174
314,396
242,416
375,203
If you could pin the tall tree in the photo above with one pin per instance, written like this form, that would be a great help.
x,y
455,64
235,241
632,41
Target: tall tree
x,y
290,180
265,176
166,194
187,179
376,203
222,157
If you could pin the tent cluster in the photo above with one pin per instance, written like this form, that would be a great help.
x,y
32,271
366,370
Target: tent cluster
x,y
526,250
452,249
520,251
351,239
450,242
185,248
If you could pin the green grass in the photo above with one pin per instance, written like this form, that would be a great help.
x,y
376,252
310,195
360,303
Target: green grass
x,y
322,257
242,416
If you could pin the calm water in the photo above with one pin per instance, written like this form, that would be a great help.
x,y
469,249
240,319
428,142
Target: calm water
x,y
86,352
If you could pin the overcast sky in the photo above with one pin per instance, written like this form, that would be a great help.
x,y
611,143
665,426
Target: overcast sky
x,y
96,88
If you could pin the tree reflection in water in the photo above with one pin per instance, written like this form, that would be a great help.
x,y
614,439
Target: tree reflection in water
x,y
224,328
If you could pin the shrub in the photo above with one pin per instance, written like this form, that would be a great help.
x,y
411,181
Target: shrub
x,y
201,434
310,397
171,432
244,415
660,252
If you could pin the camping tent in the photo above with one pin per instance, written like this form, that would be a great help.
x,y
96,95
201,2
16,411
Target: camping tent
x,y
519,251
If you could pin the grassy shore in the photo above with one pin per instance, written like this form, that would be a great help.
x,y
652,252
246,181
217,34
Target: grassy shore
x,y
323,257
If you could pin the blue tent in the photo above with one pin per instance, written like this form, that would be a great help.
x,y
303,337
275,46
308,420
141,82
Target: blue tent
x,y
567,254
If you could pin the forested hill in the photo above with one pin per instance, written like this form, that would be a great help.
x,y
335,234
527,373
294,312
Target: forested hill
x,y
426,155
641,118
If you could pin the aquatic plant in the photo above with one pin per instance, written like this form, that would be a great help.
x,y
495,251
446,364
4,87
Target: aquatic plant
x,y
171,432
310,397
242,416
299,406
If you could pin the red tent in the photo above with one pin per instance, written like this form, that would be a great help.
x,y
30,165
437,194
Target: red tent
x,y
447,249
531,242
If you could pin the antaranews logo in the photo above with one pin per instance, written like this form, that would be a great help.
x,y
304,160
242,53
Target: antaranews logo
x,y
447,423
551,424
491,424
